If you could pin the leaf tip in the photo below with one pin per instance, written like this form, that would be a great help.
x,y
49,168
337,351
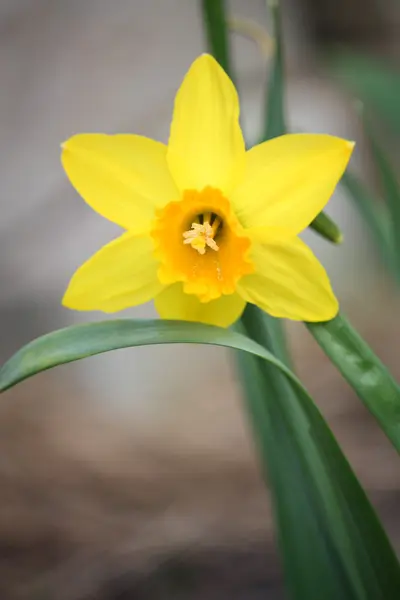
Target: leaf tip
x,y
338,238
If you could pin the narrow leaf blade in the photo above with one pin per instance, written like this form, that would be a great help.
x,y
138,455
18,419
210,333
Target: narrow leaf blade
x,y
81,341
363,370
329,536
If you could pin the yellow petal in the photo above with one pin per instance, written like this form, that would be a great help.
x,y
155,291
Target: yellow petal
x,y
122,274
206,146
268,235
122,177
289,282
288,180
173,303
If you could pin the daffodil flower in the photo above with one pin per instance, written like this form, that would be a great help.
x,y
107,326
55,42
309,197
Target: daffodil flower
x,y
209,225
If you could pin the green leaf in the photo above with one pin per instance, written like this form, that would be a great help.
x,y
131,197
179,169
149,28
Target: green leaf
x,y
217,32
363,370
374,214
332,544
373,82
80,341
275,122
267,331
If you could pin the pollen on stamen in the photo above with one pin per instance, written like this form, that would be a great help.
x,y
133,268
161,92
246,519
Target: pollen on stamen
x,y
202,235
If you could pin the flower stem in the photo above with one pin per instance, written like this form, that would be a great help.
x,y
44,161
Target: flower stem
x,y
217,32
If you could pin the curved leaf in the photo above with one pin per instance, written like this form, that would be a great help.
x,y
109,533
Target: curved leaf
x,y
80,341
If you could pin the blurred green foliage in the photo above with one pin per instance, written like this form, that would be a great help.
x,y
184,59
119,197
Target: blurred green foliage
x,y
371,80
377,90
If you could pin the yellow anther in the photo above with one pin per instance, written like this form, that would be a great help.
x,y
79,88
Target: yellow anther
x,y
202,235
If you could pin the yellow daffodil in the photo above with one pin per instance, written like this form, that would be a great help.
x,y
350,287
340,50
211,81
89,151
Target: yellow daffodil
x,y
208,225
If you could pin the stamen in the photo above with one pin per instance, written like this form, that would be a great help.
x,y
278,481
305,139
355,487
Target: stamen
x,y
207,218
202,235
215,225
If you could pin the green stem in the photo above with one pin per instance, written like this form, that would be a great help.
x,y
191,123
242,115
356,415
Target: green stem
x,y
217,32
275,122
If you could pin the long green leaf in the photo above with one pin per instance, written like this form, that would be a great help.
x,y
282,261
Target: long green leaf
x,y
332,544
80,341
327,531
268,332
341,559
364,371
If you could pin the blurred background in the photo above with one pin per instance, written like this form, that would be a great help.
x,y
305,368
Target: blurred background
x,y
119,477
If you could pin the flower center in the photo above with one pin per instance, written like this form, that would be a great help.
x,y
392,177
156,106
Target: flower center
x,y
199,242
202,233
